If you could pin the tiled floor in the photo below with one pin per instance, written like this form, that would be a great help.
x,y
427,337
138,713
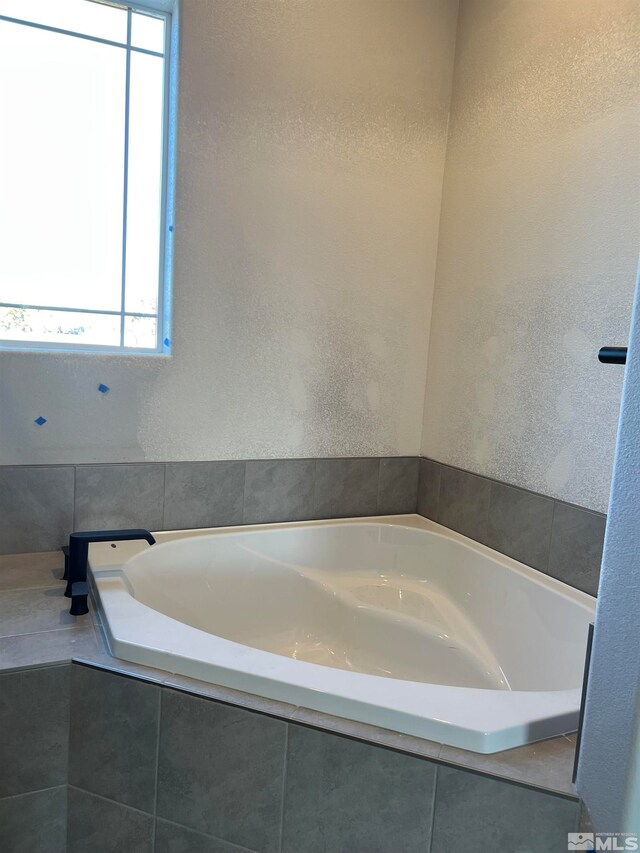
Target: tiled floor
x,y
36,630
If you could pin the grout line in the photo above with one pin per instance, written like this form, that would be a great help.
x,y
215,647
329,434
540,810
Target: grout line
x,y
484,529
45,631
56,585
155,793
244,489
73,502
35,633
378,487
417,491
66,806
315,489
109,800
439,489
433,807
29,793
232,847
164,495
284,788
553,522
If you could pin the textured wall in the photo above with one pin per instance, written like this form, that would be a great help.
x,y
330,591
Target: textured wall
x,y
538,244
311,148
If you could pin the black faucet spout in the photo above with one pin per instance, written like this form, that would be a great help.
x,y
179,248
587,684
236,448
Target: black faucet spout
x,y
76,576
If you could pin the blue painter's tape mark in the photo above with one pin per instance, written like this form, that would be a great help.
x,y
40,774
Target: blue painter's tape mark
x,y
167,342
103,388
40,421
171,228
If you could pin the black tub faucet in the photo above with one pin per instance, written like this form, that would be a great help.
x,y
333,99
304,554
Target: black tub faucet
x,y
77,587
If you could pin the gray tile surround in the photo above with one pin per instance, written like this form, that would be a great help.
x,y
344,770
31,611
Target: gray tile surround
x,y
277,489
35,625
428,488
47,647
489,815
230,780
343,795
113,740
519,524
31,571
36,508
22,612
398,485
559,539
346,487
576,547
173,838
220,770
102,826
463,502
112,496
235,780
203,494
38,504
34,729
35,822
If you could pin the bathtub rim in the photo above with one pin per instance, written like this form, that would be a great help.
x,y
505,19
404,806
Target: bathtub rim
x,y
497,723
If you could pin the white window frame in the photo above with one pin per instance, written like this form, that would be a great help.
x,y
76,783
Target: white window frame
x,y
163,326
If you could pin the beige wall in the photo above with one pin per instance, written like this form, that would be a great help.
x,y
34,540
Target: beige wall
x,y
311,148
538,243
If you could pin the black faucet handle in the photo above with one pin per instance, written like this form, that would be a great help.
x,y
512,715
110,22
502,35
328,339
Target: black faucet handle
x,y
76,575
89,536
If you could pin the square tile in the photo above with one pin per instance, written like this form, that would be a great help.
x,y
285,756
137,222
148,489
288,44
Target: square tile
x,y
346,488
220,770
113,737
119,496
279,490
342,795
577,540
519,524
428,489
398,485
25,611
463,503
34,823
101,826
498,816
203,494
31,571
34,729
36,508
47,647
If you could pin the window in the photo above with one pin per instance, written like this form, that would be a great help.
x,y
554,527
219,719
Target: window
x,y
83,163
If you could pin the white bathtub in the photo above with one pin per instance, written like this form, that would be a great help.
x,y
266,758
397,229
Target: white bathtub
x,y
392,621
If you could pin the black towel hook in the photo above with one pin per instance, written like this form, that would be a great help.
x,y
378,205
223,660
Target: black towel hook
x,y
613,355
